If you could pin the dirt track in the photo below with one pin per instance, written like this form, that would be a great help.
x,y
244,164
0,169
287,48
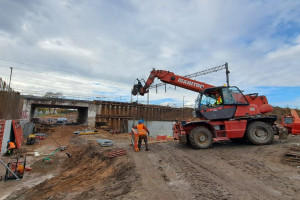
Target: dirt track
x,y
227,171
171,171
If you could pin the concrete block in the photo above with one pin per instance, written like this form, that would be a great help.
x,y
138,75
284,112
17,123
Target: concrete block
x,y
155,127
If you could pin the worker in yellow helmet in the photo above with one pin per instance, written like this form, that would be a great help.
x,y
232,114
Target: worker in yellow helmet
x,y
142,131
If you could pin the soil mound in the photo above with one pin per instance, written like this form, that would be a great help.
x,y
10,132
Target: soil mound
x,y
88,174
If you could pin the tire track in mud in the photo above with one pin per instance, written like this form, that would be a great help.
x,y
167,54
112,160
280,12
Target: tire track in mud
x,y
198,176
212,177
226,171
154,178
258,164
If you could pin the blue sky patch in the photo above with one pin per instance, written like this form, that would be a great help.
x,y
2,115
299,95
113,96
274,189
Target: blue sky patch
x,y
281,96
160,101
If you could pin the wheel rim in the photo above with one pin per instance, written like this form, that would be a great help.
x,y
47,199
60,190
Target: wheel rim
x,y
260,133
202,138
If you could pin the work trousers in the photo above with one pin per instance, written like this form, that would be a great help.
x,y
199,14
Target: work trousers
x,y
143,137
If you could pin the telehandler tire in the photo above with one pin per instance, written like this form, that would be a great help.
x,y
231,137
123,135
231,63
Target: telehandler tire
x,y
260,133
200,138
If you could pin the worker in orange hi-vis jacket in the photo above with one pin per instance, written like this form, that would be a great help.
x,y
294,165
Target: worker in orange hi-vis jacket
x,y
142,131
10,148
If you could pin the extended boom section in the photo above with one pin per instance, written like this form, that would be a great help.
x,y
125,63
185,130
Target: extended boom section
x,y
170,78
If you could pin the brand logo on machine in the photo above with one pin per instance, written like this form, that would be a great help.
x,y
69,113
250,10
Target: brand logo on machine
x,y
190,83
252,109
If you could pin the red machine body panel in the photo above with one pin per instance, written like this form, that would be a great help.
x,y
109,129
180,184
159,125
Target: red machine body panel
x,y
235,129
246,110
292,123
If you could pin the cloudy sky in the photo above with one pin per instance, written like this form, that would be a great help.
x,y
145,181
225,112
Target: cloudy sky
x,y
96,49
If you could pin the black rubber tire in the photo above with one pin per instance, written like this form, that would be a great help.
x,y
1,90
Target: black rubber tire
x,y
195,140
260,133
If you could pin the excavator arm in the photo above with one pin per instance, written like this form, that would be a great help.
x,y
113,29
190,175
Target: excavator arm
x,y
170,78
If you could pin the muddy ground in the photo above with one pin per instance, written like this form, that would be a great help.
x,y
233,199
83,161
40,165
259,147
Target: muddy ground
x,y
168,171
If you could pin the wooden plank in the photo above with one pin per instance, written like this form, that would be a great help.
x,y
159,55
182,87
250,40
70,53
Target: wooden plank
x,y
158,141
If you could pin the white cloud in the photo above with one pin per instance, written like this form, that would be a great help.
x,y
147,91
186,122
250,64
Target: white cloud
x,y
116,42
63,45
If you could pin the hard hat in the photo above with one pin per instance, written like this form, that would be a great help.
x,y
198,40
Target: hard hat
x,y
141,121
8,141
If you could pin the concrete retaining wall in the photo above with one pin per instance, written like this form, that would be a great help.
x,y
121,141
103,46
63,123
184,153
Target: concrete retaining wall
x,y
6,135
28,128
155,127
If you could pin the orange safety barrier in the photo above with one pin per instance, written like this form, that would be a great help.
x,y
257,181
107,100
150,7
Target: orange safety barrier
x,y
161,137
169,138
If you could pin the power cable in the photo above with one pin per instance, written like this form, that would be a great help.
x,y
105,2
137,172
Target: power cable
x,y
52,74
32,65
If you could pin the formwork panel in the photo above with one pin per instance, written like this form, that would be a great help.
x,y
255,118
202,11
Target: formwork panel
x,y
18,131
116,114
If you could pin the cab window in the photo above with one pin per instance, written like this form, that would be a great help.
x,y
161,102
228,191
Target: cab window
x,y
233,95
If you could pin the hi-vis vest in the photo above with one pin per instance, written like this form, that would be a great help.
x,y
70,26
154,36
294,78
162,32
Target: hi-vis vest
x,y
11,145
141,130
219,100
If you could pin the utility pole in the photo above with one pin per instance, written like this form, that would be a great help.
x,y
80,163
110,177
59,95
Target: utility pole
x,y
10,76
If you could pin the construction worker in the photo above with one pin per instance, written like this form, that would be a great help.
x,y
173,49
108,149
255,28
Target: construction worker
x,y
10,148
142,131
218,99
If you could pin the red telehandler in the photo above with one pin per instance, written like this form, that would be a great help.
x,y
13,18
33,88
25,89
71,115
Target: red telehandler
x,y
236,116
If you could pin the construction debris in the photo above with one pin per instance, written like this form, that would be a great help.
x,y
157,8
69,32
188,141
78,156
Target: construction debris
x,y
41,136
48,160
86,132
31,139
157,141
119,152
105,142
292,156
